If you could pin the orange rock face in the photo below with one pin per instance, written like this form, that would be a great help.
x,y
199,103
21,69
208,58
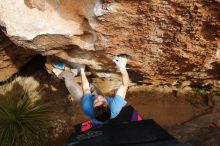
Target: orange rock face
x,y
168,41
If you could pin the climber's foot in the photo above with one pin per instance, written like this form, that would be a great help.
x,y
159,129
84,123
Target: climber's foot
x,y
57,72
59,65
58,68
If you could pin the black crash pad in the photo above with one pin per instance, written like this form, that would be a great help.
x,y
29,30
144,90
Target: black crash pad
x,y
138,133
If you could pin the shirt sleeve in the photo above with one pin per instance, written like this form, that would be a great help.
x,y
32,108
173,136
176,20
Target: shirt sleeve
x,y
116,104
87,105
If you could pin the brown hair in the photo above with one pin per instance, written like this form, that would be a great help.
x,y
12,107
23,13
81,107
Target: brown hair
x,y
102,113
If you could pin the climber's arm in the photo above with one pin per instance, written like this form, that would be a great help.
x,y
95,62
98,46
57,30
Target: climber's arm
x,y
85,83
121,64
122,90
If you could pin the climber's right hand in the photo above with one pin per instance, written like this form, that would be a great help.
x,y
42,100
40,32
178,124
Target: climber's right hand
x,y
121,63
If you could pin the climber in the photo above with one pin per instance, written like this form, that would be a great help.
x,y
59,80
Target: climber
x,y
96,106
100,108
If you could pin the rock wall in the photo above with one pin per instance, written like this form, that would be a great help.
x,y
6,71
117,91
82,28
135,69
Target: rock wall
x,y
169,41
12,57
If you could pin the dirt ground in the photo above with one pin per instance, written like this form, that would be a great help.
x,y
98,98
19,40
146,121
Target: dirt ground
x,y
160,104
176,109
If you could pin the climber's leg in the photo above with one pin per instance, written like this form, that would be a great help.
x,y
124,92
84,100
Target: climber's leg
x,y
71,85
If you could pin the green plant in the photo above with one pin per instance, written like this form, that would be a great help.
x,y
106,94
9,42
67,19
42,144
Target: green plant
x,y
217,93
202,91
21,122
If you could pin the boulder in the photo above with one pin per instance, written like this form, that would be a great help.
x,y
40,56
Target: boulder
x,y
167,40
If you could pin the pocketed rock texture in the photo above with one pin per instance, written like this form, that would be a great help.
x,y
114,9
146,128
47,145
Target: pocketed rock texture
x,y
169,41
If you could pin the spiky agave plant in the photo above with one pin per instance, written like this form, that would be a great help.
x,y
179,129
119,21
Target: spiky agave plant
x,y
21,122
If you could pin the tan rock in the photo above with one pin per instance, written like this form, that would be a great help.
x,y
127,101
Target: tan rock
x,y
186,83
167,40
38,20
